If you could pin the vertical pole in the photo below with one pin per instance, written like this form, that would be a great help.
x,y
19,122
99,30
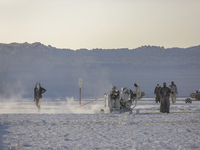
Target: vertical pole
x,y
80,84
80,96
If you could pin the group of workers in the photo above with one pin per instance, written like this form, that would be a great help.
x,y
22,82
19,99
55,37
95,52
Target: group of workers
x,y
163,96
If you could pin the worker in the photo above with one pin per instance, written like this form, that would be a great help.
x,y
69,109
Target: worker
x,y
38,91
165,94
157,93
174,92
137,90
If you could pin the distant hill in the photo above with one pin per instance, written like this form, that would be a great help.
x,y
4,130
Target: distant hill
x,y
58,70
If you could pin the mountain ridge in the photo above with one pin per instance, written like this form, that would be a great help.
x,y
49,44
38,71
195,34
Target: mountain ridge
x,y
58,70
35,44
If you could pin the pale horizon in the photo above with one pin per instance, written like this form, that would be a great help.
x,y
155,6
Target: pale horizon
x,y
106,24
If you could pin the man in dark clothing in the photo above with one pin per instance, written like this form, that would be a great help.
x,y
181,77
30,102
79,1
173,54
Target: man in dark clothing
x,y
38,91
165,103
157,92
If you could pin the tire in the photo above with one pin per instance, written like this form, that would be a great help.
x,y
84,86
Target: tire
x,y
192,95
188,100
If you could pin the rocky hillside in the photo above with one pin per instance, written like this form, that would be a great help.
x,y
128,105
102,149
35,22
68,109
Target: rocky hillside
x,y
58,70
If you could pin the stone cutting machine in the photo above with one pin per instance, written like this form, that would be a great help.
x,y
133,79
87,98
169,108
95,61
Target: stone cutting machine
x,y
121,101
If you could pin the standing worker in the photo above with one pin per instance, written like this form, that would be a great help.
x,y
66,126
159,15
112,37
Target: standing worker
x,y
174,91
38,91
157,93
165,94
137,90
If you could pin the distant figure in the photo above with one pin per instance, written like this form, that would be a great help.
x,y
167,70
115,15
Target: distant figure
x,y
137,90
165,94
174,91
157,93
38,91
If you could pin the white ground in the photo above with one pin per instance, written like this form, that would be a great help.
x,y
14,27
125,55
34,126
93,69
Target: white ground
x,y
60,126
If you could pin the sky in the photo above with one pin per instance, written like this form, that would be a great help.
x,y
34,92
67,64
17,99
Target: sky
x,y
106,24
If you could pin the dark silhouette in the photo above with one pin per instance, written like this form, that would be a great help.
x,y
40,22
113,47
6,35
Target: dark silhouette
x,y
165,103
38,91
157,93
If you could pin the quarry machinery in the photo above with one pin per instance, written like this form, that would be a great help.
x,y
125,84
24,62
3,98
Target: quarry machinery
x,y
194,96
121,101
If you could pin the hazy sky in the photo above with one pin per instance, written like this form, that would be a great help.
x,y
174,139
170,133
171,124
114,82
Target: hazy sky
x,y
109,24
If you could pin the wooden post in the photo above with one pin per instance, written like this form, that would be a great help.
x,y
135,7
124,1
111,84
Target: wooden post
x,y
80,84
79,95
